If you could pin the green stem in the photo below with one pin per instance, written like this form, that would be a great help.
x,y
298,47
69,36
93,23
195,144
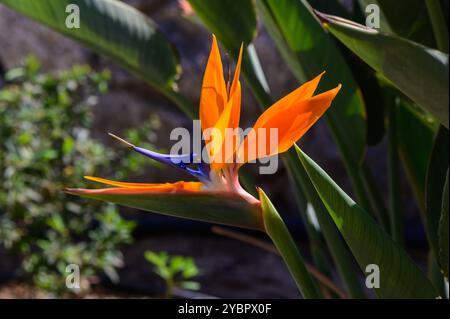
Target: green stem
x,y
254,75
316,245
376,198
439,25
353,170
258,70
393,172
169,288
278,232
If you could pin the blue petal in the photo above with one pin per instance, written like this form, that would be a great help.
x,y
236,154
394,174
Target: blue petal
x,y
178,161
165,158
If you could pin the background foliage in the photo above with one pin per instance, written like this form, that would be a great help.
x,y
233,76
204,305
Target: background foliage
x,y
395,83
44,128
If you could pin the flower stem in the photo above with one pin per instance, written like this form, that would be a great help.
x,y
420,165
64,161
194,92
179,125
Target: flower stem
x,y
393,172
438,23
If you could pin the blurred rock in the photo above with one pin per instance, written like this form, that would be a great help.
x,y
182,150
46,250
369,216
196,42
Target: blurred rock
x,y
25,37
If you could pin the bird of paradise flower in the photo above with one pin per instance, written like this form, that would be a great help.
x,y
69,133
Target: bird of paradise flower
x,y
218,196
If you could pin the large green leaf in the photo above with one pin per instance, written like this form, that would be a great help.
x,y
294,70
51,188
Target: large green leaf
x,y
114,29
240,25
337,247
395,211
443,232
435,180
399,275
222,208
418,71
278,232
406,18
308,51
372,93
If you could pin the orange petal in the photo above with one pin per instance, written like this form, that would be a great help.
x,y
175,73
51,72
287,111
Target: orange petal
x,y
164,187
213,98
304,92
237,72
230,120
291,121
317,106
223,145
235,93
218,135
235,100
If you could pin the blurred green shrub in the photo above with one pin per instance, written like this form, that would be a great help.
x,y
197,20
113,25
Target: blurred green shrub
x,y
46,146
176,271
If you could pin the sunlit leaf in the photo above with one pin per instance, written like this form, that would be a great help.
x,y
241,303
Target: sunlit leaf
x,y
418,71
114,29
400,277
240,25
308,50
406,18
337,247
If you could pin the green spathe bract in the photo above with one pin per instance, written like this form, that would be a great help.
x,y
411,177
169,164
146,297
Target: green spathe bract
x,y
215,207
280,236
